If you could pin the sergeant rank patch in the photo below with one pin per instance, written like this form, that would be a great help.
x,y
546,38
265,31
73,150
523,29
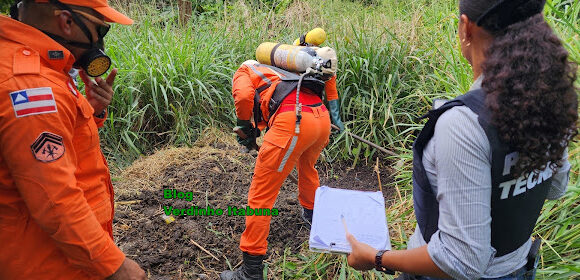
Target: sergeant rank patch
x,y
47,147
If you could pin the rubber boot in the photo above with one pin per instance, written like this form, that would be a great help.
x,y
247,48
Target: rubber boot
x,y
251,269
307,215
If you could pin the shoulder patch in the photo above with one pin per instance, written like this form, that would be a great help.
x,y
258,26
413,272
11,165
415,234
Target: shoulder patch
x,y
26,61
47,147
33,101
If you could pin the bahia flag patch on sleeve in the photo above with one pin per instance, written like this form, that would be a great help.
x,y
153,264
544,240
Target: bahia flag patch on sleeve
x,y
33,101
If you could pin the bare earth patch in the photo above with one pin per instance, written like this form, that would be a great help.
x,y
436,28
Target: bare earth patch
x,y
219,176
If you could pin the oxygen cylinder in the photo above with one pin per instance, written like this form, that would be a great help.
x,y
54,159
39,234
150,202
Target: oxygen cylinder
x,y
288,57
315,37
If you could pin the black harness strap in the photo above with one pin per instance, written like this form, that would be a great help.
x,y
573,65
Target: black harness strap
x,y
257,109
288,82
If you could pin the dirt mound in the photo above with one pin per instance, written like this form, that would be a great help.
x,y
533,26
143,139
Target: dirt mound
x,y
218,176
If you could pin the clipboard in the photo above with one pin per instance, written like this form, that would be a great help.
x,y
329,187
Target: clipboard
x,y
363,214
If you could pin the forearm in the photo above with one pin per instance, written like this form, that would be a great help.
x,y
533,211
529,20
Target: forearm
x,y
244,108
415,261
330,89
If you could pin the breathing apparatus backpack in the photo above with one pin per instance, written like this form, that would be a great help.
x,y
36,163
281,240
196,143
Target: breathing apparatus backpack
x,y
316,66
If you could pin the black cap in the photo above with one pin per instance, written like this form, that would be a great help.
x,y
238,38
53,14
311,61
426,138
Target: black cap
x,y
507,12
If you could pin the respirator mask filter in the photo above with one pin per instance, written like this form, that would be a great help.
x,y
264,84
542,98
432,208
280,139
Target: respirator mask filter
x,y
94,61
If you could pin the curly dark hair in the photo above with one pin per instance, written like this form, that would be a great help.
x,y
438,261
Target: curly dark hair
x,y
530,89
529,81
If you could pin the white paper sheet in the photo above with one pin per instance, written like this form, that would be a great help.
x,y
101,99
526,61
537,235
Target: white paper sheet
x,y
364,215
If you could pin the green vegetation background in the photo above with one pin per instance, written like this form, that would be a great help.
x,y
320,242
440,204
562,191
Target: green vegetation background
x,y
395,57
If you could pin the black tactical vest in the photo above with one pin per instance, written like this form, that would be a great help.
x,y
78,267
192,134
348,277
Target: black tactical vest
x,y
515,202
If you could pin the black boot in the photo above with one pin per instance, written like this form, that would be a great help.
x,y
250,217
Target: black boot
x,y
307,215
251,269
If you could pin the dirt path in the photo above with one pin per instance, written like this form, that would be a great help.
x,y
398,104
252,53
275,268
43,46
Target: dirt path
x,y
219,176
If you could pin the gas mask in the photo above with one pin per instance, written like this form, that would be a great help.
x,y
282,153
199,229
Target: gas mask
x,y
93,61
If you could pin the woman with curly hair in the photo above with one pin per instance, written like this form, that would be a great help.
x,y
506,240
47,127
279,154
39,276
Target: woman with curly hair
x,y
486,161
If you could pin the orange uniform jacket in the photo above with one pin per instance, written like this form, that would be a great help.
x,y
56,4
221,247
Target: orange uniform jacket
x,y
248,78
56,196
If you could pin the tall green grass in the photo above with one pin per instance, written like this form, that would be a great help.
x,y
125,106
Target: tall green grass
x,y
172,84
395,57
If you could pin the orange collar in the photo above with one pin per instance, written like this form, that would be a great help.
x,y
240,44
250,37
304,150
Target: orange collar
x,y
12,30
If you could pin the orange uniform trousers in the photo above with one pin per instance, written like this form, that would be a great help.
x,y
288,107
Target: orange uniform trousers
x,y
276,159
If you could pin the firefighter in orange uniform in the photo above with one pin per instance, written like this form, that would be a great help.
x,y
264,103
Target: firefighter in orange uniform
x,y
284,146
56,196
